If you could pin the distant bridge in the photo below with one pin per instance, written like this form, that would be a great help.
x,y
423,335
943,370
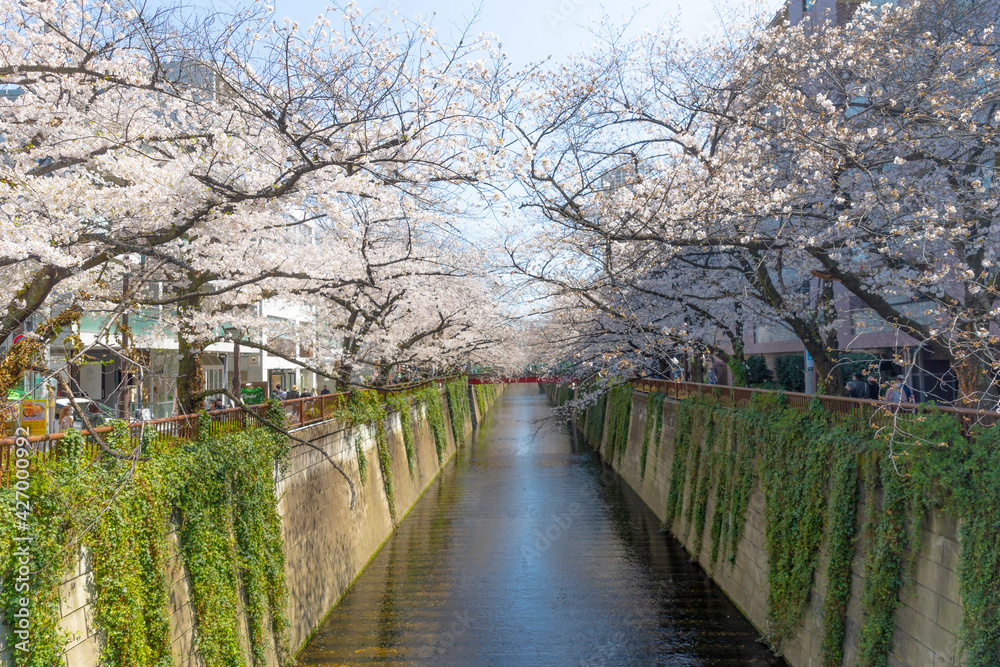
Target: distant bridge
x,y
519,379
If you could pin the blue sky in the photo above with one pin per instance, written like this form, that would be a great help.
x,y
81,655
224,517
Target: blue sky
x,y
532,30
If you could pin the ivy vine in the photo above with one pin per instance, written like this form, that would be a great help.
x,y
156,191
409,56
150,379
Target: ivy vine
x,y
366,409
594,419
619,413
654,428
811,468
401,403
359,451
719,430
428,397
221,488
457,391
841,531
230,534
49,555
793,475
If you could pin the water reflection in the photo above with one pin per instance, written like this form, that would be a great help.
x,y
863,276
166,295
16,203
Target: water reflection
x,y
527,551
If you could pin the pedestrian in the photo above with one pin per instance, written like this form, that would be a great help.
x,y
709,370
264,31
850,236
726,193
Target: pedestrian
x,y
325,391
857,388
874,390
306,392
907,393
894,394
292,393
95,416
711,377
279,393
66,418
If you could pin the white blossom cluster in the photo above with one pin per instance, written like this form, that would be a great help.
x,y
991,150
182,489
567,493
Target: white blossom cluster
x,y
784,173
187,167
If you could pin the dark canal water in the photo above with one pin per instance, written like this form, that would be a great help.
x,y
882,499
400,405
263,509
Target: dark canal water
x,y
526,551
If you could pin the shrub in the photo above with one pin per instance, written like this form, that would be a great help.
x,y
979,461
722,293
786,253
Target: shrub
x,y
757,370
789,371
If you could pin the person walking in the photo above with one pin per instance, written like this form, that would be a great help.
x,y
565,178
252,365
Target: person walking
x,y
95,416
905,388
292,393
325,391
874,390
66,418
857,388
279,393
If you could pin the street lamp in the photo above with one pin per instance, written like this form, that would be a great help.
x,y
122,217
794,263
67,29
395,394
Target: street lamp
x,y
236,333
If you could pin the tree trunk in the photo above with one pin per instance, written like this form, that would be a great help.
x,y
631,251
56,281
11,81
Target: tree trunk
x,y
824,363
828,378
698,367
971,380
190,375
737,364
344,372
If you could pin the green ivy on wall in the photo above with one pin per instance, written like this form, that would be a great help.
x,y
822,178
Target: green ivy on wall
x,y
359,451
696,453
963,475
429,398
486,394
718,433
594,419
841,531
481,399
457,391
401,404
619,413
366,408
220,488
691,419
51,525
654,428
793,473
811,468
385,465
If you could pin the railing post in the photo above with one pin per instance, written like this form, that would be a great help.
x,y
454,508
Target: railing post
x,y
302,413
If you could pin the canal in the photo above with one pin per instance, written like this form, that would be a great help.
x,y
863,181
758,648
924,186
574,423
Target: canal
x,y
526,551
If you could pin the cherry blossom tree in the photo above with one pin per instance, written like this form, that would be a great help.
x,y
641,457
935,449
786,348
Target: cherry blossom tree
x,y
142,143
794,163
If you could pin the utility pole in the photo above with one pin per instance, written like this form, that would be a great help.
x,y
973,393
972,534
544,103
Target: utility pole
x,y
237,334
125,385
236,367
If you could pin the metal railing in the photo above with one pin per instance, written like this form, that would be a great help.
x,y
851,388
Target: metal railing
x,y
842,410
299,412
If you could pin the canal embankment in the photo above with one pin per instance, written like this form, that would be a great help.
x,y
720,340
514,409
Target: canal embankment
x,y
331,524
820,514
527,551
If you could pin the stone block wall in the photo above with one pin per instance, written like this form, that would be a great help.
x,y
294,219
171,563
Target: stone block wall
x,y
327,542
930,613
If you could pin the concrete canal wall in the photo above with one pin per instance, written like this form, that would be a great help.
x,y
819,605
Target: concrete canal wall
x,y
327,543
926,622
